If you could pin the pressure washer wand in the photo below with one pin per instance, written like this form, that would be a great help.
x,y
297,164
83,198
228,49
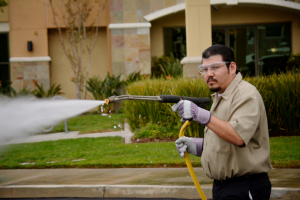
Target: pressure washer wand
x,y
164,98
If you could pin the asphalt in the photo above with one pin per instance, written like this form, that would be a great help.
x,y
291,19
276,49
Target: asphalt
x,y
167,183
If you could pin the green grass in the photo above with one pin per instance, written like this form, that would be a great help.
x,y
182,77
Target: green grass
x,y
285,151
91,123
109,152
98,152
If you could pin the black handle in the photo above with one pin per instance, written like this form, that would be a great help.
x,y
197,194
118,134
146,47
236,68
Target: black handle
x,y
201,102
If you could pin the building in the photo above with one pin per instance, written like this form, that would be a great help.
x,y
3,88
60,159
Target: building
x,y
262,33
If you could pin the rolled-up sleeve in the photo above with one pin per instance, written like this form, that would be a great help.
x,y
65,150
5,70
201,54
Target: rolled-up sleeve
x,y
245,116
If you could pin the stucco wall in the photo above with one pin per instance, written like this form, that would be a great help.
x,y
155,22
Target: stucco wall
x,y
60,68
27,23
4,15
229,15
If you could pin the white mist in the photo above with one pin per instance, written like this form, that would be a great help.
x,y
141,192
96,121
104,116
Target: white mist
x,y
20,117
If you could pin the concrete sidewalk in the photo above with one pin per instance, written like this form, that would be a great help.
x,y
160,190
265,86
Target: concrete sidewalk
x,y
126,183
126,134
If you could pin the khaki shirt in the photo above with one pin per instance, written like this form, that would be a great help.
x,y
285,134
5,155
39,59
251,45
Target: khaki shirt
x,y
242,106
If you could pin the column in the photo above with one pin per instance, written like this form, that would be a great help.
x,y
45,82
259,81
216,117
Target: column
x,y
198,35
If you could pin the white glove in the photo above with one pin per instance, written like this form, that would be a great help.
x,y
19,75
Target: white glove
x,y
188,110
192,145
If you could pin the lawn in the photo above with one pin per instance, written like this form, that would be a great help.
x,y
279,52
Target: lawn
x,y
112,152
91,123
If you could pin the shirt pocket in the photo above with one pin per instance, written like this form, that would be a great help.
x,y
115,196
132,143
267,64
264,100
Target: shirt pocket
x,y
217,144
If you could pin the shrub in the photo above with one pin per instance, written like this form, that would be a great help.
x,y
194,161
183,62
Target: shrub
x,y
101,89
166,66
294,62
9,91
41,93
280,93
133,77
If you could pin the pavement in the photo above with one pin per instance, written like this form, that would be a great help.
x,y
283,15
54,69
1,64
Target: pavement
x,y
122,182
126,134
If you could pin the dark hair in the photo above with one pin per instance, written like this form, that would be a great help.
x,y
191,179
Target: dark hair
x,y
220,49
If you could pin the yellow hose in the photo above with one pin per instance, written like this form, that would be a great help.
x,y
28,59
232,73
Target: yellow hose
x,y
189,164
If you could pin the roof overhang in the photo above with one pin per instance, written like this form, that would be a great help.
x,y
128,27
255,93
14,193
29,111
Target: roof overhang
x,y
181,7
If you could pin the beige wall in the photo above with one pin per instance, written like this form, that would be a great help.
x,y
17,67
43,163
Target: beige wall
x,y
233,15
60,69
27,23
4,16
92,19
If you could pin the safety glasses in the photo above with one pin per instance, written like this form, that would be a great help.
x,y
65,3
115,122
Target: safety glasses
x,y
214,67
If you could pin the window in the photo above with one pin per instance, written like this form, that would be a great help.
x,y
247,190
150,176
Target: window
x,y
4,60
175,42
260,49
274,47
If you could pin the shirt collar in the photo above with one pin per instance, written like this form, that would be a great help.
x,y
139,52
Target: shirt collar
x,y
228,91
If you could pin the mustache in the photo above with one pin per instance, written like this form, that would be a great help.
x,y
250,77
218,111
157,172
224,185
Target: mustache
x,y
210,78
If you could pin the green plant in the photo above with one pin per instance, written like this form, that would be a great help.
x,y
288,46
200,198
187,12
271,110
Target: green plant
x,y
9,91
101,89
281,95
133,77
165,66
52,91
294,62
5,90
172,68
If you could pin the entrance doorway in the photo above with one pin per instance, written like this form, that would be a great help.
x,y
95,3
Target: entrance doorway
x,y
259,49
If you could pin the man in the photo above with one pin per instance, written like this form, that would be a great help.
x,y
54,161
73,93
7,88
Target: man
x,y
235,150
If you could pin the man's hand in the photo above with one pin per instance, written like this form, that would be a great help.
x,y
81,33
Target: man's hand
x,y
192,145
188,110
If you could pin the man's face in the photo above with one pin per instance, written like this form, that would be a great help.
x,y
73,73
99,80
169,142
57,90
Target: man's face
x,y
220,79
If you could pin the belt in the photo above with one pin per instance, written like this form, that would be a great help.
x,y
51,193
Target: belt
x,y
239,178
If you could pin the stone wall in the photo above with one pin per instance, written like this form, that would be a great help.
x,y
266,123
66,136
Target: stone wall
x,y
29,74
130,46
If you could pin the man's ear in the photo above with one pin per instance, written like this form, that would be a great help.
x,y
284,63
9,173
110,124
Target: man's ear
x,y
232,67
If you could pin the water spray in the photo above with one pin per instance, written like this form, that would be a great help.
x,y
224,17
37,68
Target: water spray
x,y
201,102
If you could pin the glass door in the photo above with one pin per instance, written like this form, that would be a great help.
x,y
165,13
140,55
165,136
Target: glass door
x,y
241,42
259,49
274,47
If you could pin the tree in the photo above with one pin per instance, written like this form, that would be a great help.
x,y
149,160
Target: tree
x,y
74,15
3,3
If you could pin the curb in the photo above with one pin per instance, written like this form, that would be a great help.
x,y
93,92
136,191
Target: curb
x,y
123,191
